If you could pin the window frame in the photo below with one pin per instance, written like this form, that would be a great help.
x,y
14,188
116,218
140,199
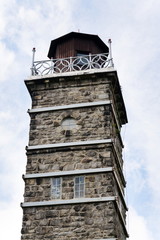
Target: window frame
x,y
57,186
77,193
71,123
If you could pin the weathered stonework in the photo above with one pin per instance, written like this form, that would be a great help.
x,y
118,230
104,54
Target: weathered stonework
x,y
96,186
46,127
69,159
82,221
75,221
65,91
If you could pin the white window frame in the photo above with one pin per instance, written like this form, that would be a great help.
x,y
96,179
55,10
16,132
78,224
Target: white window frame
x,y
56,187
79,187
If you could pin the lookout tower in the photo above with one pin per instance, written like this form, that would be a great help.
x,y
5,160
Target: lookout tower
x,y
74,182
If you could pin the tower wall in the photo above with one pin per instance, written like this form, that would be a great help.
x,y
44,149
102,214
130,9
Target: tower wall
x,y
92,148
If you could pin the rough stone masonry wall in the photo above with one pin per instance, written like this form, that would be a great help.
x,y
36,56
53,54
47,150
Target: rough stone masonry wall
x,y
118,167
69,159
70,222
69,91
91,123
96,186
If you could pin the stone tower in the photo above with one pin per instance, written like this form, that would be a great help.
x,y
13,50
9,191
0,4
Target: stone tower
x,y
74,182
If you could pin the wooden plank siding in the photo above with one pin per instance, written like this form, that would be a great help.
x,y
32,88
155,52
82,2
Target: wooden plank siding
x,y
70,47
65,49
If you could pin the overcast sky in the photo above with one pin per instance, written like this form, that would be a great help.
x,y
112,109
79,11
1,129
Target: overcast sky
x,y
133,26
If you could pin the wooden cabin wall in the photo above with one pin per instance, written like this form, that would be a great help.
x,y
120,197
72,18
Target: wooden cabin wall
x,y
65,49
86,46
69,47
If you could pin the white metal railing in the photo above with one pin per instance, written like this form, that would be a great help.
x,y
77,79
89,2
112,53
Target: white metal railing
x,y
78,63
71,64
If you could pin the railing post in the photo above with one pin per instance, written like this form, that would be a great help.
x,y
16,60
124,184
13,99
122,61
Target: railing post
x,y
52,65
33,56
70,64
90,60
110,53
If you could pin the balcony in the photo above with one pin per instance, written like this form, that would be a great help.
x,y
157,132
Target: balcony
x,y
71,64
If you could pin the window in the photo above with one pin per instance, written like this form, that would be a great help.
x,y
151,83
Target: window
x,y
56,188
79,187
68,123
82,58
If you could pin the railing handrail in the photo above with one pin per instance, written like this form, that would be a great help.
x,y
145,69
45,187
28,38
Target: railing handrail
x,y
70,64
75,57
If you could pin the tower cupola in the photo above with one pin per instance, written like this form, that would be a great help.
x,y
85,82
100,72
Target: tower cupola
x,y
74,44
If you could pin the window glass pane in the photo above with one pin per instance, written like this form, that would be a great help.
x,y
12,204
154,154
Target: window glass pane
x,y
81,194
77,180
58,181
76,194
81,187
81,179
56,188
76,188
54,181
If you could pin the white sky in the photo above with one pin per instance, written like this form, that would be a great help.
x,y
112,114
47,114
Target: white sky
x,y
134,29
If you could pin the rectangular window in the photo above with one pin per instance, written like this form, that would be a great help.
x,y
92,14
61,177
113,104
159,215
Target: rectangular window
x,y
79,187
56,187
